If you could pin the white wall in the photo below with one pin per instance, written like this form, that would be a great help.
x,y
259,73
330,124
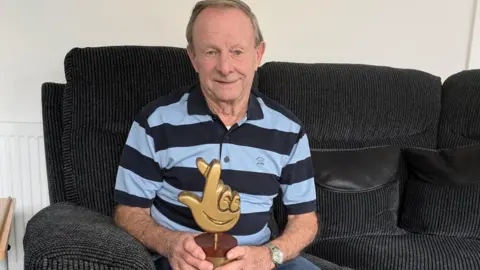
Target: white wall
x,y
437,36
474,56
431,35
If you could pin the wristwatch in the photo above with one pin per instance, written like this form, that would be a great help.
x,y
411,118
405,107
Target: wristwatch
x,y
277,255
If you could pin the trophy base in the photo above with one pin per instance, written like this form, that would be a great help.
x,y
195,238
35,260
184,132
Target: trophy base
x,y
216,255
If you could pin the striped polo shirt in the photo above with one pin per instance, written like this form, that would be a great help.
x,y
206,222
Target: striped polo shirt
x,y
266,151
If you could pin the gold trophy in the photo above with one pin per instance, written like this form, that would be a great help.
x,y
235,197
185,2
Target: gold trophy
x,y
216,212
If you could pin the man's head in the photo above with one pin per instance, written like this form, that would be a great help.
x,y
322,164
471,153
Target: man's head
x,y
226,46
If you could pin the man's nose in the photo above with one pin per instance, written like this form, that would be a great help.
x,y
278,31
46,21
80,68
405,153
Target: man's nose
x,y
224,64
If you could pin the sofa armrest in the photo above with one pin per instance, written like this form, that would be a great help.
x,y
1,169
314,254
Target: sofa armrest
x,y
66,236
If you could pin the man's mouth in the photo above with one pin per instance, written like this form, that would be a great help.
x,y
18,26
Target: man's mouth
x,y
225,82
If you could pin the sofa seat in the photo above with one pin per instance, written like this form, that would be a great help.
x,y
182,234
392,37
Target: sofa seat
x,y
407,252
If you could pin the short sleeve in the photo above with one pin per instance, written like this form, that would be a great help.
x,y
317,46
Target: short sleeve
x,y
297,182
139,175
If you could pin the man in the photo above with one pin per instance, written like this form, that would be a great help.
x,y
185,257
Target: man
x,y
262,148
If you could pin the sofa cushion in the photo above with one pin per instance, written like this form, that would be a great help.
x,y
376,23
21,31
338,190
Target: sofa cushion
x,y
106,88
357,191
442,193
459,122
346,106
406,252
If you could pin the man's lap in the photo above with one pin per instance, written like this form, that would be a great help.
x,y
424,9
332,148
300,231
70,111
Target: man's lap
x,y
299,263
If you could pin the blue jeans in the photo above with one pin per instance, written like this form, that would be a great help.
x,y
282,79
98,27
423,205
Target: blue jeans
x,y
299,263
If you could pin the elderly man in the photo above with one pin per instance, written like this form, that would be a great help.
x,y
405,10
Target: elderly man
x,y
262,148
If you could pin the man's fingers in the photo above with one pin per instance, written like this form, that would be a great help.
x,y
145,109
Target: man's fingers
x,y
197,263
234,265
181,265
236,252
191,247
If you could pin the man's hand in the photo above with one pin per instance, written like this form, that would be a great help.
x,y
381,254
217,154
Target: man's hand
x,y
185,254
249,257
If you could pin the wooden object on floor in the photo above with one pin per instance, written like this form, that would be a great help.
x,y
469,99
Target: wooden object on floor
x,y
7,209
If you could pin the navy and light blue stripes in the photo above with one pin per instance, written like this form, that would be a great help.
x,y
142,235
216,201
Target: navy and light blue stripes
x,y
264,153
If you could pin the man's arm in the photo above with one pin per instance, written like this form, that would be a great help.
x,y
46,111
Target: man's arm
x,y
299,233
139,177
138,222
299,197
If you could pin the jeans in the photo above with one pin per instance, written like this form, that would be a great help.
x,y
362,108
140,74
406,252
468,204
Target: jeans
x,y
299,263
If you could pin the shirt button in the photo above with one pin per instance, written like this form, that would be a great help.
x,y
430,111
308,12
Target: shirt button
x,y
226,159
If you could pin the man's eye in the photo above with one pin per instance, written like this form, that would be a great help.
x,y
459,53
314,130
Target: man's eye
x,y
237,52
210,52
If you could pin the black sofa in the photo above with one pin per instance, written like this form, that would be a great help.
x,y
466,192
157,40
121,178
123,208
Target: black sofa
x,y
396,156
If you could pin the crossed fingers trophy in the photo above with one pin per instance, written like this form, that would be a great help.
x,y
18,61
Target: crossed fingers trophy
x,y
216,212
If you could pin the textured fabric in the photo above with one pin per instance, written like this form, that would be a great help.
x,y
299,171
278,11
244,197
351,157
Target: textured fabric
x,y
305,260
343,214
323,264
345,106
442,210
65,236
442,194
52,94
459,119
406,252
362,181
106,87
263,153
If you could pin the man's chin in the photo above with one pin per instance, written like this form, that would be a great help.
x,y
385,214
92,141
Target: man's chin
x,y
227,98
228,91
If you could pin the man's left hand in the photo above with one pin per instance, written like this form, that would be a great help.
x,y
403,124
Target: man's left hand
x,y
248,257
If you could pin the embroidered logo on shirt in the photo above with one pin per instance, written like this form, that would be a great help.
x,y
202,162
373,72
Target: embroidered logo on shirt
x,y
260,161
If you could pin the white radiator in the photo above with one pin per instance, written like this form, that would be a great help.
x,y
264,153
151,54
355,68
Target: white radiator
x,y
22,176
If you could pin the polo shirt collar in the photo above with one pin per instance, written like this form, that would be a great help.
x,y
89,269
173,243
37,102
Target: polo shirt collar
x,y
196,104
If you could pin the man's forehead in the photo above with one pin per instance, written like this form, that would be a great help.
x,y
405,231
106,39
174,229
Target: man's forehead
x,y
237,28
217,18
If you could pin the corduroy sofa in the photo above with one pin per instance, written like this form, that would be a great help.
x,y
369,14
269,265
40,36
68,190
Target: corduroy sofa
x,y
396,155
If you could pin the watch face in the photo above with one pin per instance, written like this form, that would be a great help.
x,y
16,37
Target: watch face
x,y
277,256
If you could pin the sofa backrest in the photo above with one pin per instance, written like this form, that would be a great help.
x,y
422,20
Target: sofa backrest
x,y
442,195
460,116
52,98
358,118
345,106
106,87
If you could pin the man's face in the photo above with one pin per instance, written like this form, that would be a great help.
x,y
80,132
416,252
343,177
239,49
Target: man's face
x,y
224,53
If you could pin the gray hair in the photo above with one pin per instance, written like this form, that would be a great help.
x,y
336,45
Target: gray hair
x,y
238,4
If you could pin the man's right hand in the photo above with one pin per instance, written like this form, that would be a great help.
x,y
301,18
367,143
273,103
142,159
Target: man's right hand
x,y
185,254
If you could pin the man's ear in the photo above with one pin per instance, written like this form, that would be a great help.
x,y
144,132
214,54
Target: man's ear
x,y
191,55
259,54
